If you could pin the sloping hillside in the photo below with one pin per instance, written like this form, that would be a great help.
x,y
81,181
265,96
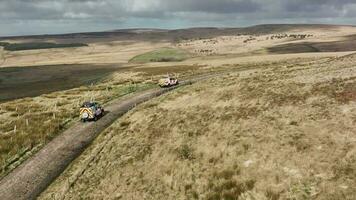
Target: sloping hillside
x,y
283,131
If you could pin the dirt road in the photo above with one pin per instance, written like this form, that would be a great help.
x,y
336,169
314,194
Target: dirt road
x,y
33,176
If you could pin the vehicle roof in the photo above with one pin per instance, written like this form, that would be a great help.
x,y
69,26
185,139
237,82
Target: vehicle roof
x,y
168,77
89,104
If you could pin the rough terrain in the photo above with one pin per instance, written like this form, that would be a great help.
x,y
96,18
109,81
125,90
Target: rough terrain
x,y
278,132
282,130
33,176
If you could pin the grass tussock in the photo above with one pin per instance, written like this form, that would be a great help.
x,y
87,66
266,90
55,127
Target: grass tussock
x,y
185,152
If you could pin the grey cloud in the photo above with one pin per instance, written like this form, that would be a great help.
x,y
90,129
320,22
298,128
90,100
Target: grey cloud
x,y
213,6
28,10
49,15
316,9
315,5
57,9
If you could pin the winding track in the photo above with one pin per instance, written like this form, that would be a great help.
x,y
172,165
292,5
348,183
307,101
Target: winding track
x,y
32,177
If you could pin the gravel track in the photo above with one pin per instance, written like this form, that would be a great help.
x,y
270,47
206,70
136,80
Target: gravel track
x,y
33,176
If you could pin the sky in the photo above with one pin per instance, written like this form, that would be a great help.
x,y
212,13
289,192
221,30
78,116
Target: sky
x,y
28,17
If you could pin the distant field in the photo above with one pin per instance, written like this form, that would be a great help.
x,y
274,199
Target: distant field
x,y
162,55
37,45
337,46
18,82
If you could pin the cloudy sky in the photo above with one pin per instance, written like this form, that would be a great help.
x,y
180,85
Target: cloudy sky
x,y
23,17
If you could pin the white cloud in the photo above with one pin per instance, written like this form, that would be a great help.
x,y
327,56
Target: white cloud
x,y
72,15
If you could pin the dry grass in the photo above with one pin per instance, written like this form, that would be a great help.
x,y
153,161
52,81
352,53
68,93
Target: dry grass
x,y
282,130
267,133
29,123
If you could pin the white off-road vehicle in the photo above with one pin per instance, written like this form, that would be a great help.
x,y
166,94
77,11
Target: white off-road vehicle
x,y
168,82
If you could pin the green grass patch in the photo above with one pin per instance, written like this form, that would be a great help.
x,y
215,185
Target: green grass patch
x,y
162,55
3,44
37,45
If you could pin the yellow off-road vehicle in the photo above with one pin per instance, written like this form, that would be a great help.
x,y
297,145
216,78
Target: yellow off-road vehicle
x,y
91,111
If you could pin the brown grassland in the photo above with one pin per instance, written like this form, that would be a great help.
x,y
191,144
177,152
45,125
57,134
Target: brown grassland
x,y
281,131
276,122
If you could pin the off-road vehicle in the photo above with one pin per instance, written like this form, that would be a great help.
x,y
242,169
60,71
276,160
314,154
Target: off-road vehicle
x,y
168,82
91,111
